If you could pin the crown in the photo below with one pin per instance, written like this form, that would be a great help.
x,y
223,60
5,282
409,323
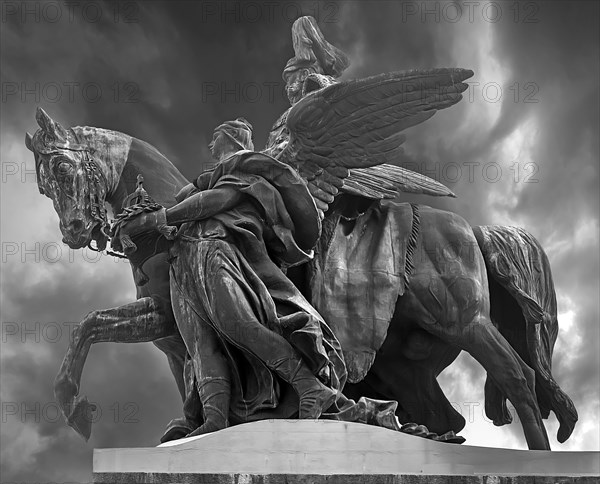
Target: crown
x,y
139,196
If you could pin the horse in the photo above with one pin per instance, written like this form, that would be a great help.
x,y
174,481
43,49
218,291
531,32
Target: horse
x,y
470,304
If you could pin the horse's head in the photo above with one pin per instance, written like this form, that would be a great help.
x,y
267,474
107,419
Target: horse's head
x,y
67,174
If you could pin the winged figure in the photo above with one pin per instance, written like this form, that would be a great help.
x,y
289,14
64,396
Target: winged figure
x,y
344,136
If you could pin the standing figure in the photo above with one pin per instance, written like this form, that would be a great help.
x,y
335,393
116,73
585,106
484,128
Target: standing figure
x,y
250,333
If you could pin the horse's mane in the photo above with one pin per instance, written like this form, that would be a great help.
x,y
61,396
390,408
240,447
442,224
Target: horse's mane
x,y
102,140
116,146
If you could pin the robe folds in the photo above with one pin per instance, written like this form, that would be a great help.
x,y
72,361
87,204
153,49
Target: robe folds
x,y
227,269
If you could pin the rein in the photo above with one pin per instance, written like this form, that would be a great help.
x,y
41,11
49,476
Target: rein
x,y
96,179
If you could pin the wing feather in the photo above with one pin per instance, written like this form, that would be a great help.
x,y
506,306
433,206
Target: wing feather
x,y
388,181
345,136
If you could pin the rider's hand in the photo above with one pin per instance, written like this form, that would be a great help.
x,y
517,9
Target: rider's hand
x,y
149,222
145,222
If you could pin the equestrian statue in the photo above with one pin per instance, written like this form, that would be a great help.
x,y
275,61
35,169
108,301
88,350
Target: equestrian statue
x,y
293,282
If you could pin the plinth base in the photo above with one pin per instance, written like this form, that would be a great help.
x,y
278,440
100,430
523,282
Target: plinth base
x,y
290,452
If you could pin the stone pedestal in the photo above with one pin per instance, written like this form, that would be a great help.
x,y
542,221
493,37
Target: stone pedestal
x,y
284,451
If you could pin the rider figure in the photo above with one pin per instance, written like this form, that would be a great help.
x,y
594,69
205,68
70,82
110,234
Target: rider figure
x,y
241,318
313,55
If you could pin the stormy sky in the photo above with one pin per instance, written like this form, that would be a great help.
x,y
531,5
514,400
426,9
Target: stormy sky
x,y
520,149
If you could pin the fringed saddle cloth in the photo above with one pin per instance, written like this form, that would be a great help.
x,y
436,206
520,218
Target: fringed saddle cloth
x,y
362,265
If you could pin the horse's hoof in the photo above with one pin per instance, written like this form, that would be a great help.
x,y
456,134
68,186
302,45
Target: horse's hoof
x,y
81,417
564,432
505,417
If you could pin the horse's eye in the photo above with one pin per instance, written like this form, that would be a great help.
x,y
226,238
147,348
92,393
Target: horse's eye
x,y
64,168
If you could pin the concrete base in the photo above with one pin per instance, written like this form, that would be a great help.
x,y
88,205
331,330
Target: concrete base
x,y
284,451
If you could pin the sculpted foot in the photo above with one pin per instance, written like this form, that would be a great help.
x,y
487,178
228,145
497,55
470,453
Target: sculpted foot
x,y
177,428
208,427
315,401
315,397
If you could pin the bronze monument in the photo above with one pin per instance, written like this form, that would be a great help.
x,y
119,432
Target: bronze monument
x,y
272,281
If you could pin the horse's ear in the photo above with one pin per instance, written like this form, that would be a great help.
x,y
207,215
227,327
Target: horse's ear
x,y
28,141
49,126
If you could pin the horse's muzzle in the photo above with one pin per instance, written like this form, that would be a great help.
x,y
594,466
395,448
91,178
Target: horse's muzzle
x,y
75,234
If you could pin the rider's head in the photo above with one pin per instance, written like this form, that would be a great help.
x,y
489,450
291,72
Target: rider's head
x,y
231,137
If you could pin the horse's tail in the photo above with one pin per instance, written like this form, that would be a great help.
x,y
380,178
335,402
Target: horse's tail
x,y
523,308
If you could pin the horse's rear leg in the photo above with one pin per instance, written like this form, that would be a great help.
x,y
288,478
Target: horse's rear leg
x,y
412,384
510,373
137,322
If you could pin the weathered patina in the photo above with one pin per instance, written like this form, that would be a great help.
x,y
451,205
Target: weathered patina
x,y
427,307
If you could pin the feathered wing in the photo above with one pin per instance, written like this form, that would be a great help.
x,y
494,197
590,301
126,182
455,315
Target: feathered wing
x,y
341,133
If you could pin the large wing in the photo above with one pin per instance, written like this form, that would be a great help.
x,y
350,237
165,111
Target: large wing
x,y
358,124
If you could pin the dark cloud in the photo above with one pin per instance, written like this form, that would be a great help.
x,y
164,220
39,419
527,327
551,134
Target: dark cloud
x,y
183,67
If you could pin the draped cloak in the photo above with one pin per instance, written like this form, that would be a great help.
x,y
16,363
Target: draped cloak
x,y
275,226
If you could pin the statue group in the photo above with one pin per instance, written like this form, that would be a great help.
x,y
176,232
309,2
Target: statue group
x,y
292,282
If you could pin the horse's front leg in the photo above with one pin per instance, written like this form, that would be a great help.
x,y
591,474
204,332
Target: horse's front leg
x,y
137,322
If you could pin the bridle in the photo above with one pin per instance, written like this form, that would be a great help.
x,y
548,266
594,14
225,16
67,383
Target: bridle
x,y
96,184
95,180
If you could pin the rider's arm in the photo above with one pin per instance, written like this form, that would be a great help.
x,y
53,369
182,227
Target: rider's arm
x,y
203,205
200,183
184,192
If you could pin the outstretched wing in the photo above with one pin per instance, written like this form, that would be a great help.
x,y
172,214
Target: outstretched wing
x,y
358,124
